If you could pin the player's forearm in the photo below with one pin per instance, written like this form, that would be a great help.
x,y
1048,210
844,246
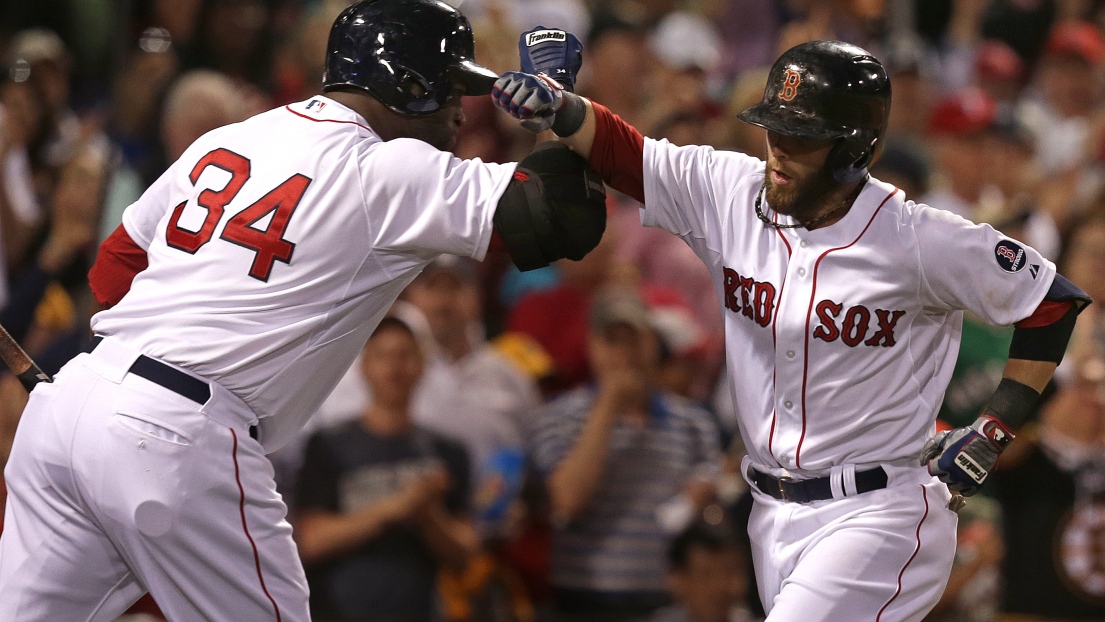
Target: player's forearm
x,y
1035,374
574,480
584,138
323,535
453,540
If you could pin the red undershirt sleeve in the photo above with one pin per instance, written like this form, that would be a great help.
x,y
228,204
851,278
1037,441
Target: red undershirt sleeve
x,y
1049,312
617,153
117,262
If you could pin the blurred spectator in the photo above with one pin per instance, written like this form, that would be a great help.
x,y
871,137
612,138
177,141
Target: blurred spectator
x,y
707,576
196,103
1052,488
1000,72
470,392
233,37
749,29
625,464
747,91
557,318
905,167
616,61
382,503
958,126
687,48
1070,89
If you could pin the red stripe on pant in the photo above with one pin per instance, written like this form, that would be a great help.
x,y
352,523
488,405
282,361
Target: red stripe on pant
x,y
245,528
910,560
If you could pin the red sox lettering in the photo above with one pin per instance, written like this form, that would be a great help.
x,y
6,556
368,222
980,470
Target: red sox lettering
x,y
752,299
856,325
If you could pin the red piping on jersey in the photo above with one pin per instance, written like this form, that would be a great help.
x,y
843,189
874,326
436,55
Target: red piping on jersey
x,y
242,510
300,114
911,557
1048,313
809,314
782,286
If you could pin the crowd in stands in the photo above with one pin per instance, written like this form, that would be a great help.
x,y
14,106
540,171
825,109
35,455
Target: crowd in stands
x,y
559,445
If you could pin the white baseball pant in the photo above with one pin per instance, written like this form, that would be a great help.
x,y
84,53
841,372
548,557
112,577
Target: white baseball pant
x,y
881,556
118,486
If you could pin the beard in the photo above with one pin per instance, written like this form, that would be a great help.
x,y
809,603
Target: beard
x,y
800,199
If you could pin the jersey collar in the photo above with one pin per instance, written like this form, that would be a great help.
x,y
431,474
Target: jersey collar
x,y
848,228
325,110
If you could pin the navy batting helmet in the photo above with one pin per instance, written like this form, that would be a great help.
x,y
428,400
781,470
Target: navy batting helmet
x,y
408,54
828,91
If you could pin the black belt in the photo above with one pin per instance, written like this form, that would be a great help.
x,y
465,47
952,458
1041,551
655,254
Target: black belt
x,y
172,379
816,489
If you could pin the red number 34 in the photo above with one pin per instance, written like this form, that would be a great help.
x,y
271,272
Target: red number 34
x,y
269,244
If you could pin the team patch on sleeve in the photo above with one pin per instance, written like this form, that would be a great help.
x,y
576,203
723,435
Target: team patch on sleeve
x,y
1010,256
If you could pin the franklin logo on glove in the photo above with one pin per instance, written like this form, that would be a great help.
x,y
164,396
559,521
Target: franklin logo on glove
x,y
541,36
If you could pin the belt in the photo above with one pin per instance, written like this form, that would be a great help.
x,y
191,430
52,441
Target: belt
x,y
815,489
172,379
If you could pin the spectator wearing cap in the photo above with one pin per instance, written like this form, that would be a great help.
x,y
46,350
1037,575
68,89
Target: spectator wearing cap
x,y
958,126
382,504
708,576
688,48
999,71
612,454
1069,91
469,391
615,63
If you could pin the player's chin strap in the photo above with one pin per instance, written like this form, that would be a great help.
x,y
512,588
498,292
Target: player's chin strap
x,y
844,204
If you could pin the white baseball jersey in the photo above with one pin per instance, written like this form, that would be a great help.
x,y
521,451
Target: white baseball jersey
x,y
277,244
840,341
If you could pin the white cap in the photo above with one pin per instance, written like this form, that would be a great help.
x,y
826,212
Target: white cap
x,y
686,41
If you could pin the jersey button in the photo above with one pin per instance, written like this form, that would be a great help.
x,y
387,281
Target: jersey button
x,y
790,354
803,244
789,404
801,272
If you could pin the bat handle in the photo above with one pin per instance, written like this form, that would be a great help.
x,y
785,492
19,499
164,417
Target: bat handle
x,y
33,376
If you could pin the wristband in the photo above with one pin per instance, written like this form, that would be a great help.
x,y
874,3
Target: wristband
x,y
1011,403
570,117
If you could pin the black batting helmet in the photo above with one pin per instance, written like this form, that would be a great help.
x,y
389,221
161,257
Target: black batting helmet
x,y
405,53
828,91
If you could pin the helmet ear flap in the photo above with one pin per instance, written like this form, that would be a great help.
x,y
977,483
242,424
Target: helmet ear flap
x,y
849,158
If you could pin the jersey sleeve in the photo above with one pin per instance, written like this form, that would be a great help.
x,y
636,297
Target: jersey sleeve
x,y
421,199
687,188
978,269
140,219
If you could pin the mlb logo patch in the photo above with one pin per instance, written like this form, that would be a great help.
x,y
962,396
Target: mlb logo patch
x,y
316,105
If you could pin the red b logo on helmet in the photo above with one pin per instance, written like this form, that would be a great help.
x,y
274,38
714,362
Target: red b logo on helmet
x,y
791,80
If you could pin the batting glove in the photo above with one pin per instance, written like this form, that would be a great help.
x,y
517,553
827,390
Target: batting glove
x,y
533,99
551,52
963,458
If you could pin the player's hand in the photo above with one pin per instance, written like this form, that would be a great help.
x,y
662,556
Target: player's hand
x,y
532,99
963,458
551,52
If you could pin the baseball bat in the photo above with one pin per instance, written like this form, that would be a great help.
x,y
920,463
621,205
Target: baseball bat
x,y
20,363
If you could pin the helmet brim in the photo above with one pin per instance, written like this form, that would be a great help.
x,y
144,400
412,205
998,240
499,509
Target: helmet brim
x,y
478,79
784,120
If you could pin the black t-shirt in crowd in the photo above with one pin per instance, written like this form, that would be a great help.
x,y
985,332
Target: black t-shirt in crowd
x,y
1054,546
390,578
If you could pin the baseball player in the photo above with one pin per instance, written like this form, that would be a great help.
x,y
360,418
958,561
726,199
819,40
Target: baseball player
x,y
843,304
240,287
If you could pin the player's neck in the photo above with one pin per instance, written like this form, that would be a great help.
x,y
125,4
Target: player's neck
x,y
379,118
833,208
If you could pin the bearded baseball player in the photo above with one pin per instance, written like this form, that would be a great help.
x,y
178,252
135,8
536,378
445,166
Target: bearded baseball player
x,y
240,287
843,304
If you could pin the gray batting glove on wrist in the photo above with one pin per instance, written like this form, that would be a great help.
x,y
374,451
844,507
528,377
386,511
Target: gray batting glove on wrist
x,y
963,458
534,100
